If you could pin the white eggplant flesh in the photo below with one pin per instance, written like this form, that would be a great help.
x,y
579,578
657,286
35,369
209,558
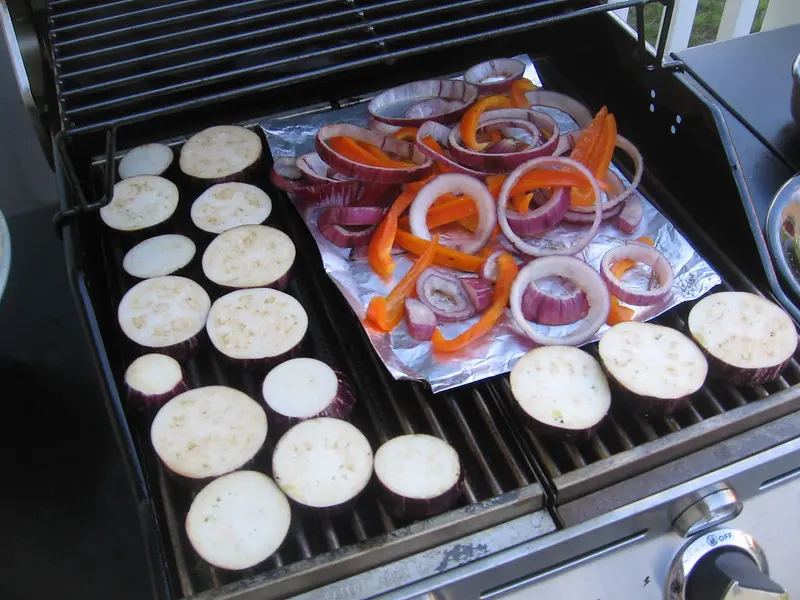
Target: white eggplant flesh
x,y
159,256
227,205
208,431
250,256
259,325
221,153
152,379
238,520
561,390
166,313
140,203
322,463
149,159
748,339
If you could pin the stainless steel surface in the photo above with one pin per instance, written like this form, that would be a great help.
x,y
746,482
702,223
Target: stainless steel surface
x,y
796,89
783,231
715,506
687,558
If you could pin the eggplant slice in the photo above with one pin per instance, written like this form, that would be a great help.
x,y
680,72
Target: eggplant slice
x,y
140,203
149,159
153,379
228,205
159,256
221,153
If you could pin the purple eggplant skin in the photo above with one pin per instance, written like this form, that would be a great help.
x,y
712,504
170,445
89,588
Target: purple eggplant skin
x,y
414,509
267,362
181,351
198,185
152,402
551,432
719,369
280,284
645,406
340,408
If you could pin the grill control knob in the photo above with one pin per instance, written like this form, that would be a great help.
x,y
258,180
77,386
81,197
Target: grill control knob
x,y
725,564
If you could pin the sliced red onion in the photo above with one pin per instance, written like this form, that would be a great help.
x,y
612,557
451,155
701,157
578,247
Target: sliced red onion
x,y
631,214
562,306
499,162
346,237
420,166
441,133
431,108
344,193
479,291
317,170
391,106
455,183
551,249
647,255
579,218
489,269
443,292
572,107
285,174
583,276
507,146
420,318
615,197
381,127
543,218
495,76
351,216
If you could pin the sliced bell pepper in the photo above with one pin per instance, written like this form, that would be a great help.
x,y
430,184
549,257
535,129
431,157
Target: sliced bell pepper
x,y
387,312
619,313
546,178
495,136
599,161
522,202
585,145
374,156
619,268
416,186
469,122
470,223
448,209
408,134
437,147
494,183
445,257
508,270
380,246
517,92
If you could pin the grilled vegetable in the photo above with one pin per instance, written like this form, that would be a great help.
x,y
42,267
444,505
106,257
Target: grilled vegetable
x,y
150,159
249,256
219,154
747,339
322,463
140,203
238,520
208,431
153,379
304,388
257,326
158,256
561,390
658,366
228,205
167,313
420,476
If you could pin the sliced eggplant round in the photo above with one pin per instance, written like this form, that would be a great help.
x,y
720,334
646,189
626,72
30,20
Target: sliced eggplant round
x,y
167,313
153,379
420,476
658,367
561,391
140,203
208,431
238,520
159,256
221,153
228,205
322,463
250,256
149,159
747,338
305,388
257,326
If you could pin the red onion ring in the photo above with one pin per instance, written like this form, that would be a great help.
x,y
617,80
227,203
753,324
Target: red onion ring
x,y
543,218
647,255
340,236
577,218
583,276
440,133
381,127
420,319
455,183
579,113
430,108
516,117
409,93
507,145
351,216
443,292
546,308
631,215
479,291
352,192
422,165
489,269
285,175
495,76
505,192
317,170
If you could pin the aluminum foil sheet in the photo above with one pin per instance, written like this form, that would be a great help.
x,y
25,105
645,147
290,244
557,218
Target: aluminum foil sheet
x,y
407,358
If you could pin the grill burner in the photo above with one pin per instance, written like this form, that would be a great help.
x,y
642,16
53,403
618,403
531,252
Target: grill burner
x,y
108,80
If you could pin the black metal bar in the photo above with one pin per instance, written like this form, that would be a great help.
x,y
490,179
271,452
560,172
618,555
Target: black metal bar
x,y
90,9
640,33
669,9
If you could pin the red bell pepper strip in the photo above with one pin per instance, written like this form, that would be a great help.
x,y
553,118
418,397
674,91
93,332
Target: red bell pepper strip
x,y
374,156
387,312
517,92
437,147
469,122
445,257
619,313
408,134
522,202
596,154
502,290
621,267
448,209
380,246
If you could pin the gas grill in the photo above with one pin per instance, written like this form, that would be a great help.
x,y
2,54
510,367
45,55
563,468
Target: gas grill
x,y
127,73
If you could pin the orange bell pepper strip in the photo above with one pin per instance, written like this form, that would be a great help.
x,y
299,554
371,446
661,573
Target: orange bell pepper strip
x,y
546,178
517,92
416,186
374,156
470,223
445,257
448,209
387,312
437,147
409,134
619,313
619,268
586,144
469,122
502,290
494,183
522,202
599,161
380,246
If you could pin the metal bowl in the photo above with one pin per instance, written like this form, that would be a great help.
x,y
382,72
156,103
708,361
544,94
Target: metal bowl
x,y
796,89
783,232
5,253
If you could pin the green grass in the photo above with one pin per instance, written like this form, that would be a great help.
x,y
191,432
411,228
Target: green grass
x,y
706,22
